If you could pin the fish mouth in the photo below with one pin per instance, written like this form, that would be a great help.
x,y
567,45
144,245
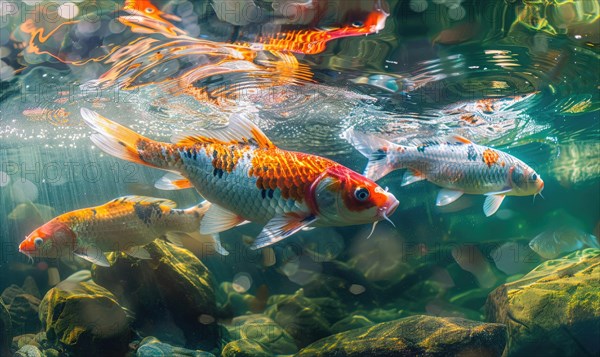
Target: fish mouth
x,y
389,208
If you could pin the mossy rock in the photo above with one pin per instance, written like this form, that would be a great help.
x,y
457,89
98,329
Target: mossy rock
x,y
10,293
558,303
300,317
233,302
245,348
5,330
85,318
24,314
260,328
153,347
415,336
29,339
174,287
29,351
350,323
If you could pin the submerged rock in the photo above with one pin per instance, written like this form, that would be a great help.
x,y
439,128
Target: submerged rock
x,y
152,347
261,329
10,292
172,294
416,335
245,348
558,303
23,309
350,323
232,301
86,318
300,317
24,314
5,330
29,351
29,339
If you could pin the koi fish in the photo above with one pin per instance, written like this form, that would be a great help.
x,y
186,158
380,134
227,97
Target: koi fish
x,y
145,17
247,178
124,224
313,41
454,163
553,243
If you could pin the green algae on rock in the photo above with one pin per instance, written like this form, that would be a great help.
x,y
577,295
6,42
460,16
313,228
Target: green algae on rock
x,y
29,339
260,328
300,316
86,318
416,335
152,347
29,351
350,323
558,303
245,348
171,294
232,301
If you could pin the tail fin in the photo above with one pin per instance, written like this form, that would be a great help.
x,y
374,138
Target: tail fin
x,y
376,150
113,138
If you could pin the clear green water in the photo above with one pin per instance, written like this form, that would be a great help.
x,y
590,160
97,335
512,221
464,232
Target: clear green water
x,y
404,82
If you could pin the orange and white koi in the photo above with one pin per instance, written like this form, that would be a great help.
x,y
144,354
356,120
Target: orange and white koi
x,y
454,163
313,41
124,224
487,106
247,178
145,17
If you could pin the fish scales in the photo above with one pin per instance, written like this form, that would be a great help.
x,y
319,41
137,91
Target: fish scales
x,y
247,178
450,164
124,221
233,175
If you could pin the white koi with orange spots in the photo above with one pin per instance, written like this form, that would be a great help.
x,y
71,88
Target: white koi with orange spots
x,y
455,163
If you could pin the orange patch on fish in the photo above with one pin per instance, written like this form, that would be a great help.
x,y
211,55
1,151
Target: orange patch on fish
x,y
290,172
226,157
490,157
469,118
486,105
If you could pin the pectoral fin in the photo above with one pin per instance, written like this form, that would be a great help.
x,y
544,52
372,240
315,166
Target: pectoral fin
x,y
281,227
212,239
138,252
411,176
173,181
218,219
92,255
492,203
446,196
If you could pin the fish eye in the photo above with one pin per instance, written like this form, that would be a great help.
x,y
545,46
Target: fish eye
x,y
149,10
361,193
38,241
534,177
358,24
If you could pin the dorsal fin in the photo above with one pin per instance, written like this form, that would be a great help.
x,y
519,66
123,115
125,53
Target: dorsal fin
x,y
458,139
145,200
239,130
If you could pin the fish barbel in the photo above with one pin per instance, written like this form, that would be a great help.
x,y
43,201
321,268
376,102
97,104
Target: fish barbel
x,y
247,178
454,163
124,224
